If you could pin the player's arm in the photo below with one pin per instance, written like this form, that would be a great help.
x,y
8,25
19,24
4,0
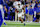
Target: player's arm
x,y
34,13
15,10
23,9
5,8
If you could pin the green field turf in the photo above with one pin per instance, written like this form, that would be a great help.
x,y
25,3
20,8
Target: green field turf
x,y
19,24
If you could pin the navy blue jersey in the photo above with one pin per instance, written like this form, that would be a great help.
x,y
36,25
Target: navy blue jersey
x,y
26,10
37,10
4,10
1,20
1,1
34,8
0,15
31,11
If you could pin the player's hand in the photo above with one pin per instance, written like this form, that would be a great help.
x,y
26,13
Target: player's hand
x,y
24,10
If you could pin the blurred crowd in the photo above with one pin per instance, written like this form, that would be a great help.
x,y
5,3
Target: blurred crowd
x,y
32,10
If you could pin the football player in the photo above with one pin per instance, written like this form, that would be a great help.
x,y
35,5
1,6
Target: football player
x,y
19,9
1,13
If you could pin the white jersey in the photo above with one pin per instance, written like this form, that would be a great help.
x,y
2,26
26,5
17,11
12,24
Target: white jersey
x,y
16,3
21,12
19,8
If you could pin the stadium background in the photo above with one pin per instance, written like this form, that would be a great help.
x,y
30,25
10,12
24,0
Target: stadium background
x,y
12,23
10,4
